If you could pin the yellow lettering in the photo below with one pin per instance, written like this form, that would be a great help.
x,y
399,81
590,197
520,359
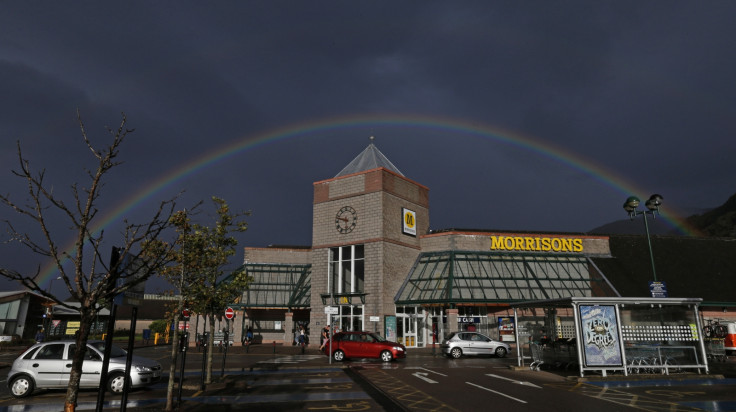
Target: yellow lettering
x,y
546,244
497,243
556,245
566,245
577,245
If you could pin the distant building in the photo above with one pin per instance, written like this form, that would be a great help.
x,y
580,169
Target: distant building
x,y
22,314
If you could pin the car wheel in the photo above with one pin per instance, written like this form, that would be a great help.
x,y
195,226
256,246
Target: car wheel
x,y
115,383
500,351
338,355
386,356
456,353
21,386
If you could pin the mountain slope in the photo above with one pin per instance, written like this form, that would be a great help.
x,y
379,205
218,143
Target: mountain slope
x,y
718,222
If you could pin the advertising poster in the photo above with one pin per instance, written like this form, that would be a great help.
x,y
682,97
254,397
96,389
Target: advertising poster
x,y
390,322
506,328
599,327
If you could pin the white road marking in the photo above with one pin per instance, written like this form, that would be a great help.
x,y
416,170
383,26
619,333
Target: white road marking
x,y
425,369
525,383
423,376
497,393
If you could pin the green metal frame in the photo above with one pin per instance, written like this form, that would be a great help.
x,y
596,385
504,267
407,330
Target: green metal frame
x,y
473,277
277,286
343,298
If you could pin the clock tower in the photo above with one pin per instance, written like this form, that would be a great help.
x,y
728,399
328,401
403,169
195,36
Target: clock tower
x,y
365,238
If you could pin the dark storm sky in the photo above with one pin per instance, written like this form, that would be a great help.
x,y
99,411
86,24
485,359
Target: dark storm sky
x,y
628,97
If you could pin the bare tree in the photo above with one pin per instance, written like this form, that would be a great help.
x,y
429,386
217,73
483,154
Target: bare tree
x,y
85,270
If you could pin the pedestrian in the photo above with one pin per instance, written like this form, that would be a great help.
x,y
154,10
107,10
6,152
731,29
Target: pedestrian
x,y
40,336
302,336
248,336
325,336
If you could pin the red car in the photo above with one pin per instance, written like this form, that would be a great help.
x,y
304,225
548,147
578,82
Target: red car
x,y
363,345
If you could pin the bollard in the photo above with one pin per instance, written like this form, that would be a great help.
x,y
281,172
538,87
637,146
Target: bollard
x,y
103,336
274,347
155,339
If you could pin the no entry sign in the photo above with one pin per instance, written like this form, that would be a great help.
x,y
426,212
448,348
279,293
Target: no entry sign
x,y
229,313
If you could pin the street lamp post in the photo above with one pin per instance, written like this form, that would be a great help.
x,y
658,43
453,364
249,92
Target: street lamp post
x,y
631,204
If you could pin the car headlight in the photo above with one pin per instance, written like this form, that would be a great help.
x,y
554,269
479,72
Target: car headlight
x,y
140,368
399,348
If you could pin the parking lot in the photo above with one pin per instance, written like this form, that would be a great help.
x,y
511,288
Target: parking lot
x,y
282,378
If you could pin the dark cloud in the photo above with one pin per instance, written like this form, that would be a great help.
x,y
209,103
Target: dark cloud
x,y
639,93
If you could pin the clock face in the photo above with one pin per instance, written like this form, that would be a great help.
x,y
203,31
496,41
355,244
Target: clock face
x,y
346,219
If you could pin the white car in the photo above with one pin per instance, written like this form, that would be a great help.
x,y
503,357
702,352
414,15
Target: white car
x,y
48,365
473,343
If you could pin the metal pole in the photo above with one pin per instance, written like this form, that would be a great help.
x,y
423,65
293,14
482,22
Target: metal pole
x,y
206,338
226,340
185,346
106,357
649,242
129,360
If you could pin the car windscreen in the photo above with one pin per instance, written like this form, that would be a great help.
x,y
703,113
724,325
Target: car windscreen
x,y
115,351
378,338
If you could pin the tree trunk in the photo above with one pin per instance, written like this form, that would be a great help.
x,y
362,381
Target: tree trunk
x,y
87,315
172,368
210,345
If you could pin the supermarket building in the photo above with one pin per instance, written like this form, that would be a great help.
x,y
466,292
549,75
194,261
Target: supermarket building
x,y
375,265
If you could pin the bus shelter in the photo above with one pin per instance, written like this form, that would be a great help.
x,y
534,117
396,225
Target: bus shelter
x,y
612,334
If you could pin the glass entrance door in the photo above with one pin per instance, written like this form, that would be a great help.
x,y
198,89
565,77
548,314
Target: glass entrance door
x,y
407,330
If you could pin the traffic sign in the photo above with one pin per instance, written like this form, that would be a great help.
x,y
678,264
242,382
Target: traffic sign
x,y
331,310
229,313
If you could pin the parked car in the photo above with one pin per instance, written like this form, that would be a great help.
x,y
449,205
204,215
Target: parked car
x,y
48,365
363,345
458,344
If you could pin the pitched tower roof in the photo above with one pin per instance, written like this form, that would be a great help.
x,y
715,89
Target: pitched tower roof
x,y
370,158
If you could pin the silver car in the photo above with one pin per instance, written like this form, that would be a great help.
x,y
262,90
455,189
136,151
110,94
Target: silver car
x,y
458,344
48,365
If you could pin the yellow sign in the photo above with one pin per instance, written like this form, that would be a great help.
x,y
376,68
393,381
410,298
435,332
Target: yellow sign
x,y
410,222
536,244
72,327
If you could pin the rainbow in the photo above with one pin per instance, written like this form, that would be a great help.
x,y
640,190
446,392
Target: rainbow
x,y
449,125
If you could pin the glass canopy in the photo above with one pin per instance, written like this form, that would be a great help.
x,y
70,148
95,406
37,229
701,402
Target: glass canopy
x,y
277,286
471,277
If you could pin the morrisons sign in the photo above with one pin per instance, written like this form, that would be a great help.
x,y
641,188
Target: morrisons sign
x,y
536,244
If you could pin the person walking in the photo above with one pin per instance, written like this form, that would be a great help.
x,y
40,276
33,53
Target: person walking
x,y
325,336
248,336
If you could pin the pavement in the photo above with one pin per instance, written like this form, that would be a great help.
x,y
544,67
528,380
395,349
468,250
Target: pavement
x,y
280,377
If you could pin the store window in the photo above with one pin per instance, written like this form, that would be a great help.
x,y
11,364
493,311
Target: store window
x,y
347,269
350,318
